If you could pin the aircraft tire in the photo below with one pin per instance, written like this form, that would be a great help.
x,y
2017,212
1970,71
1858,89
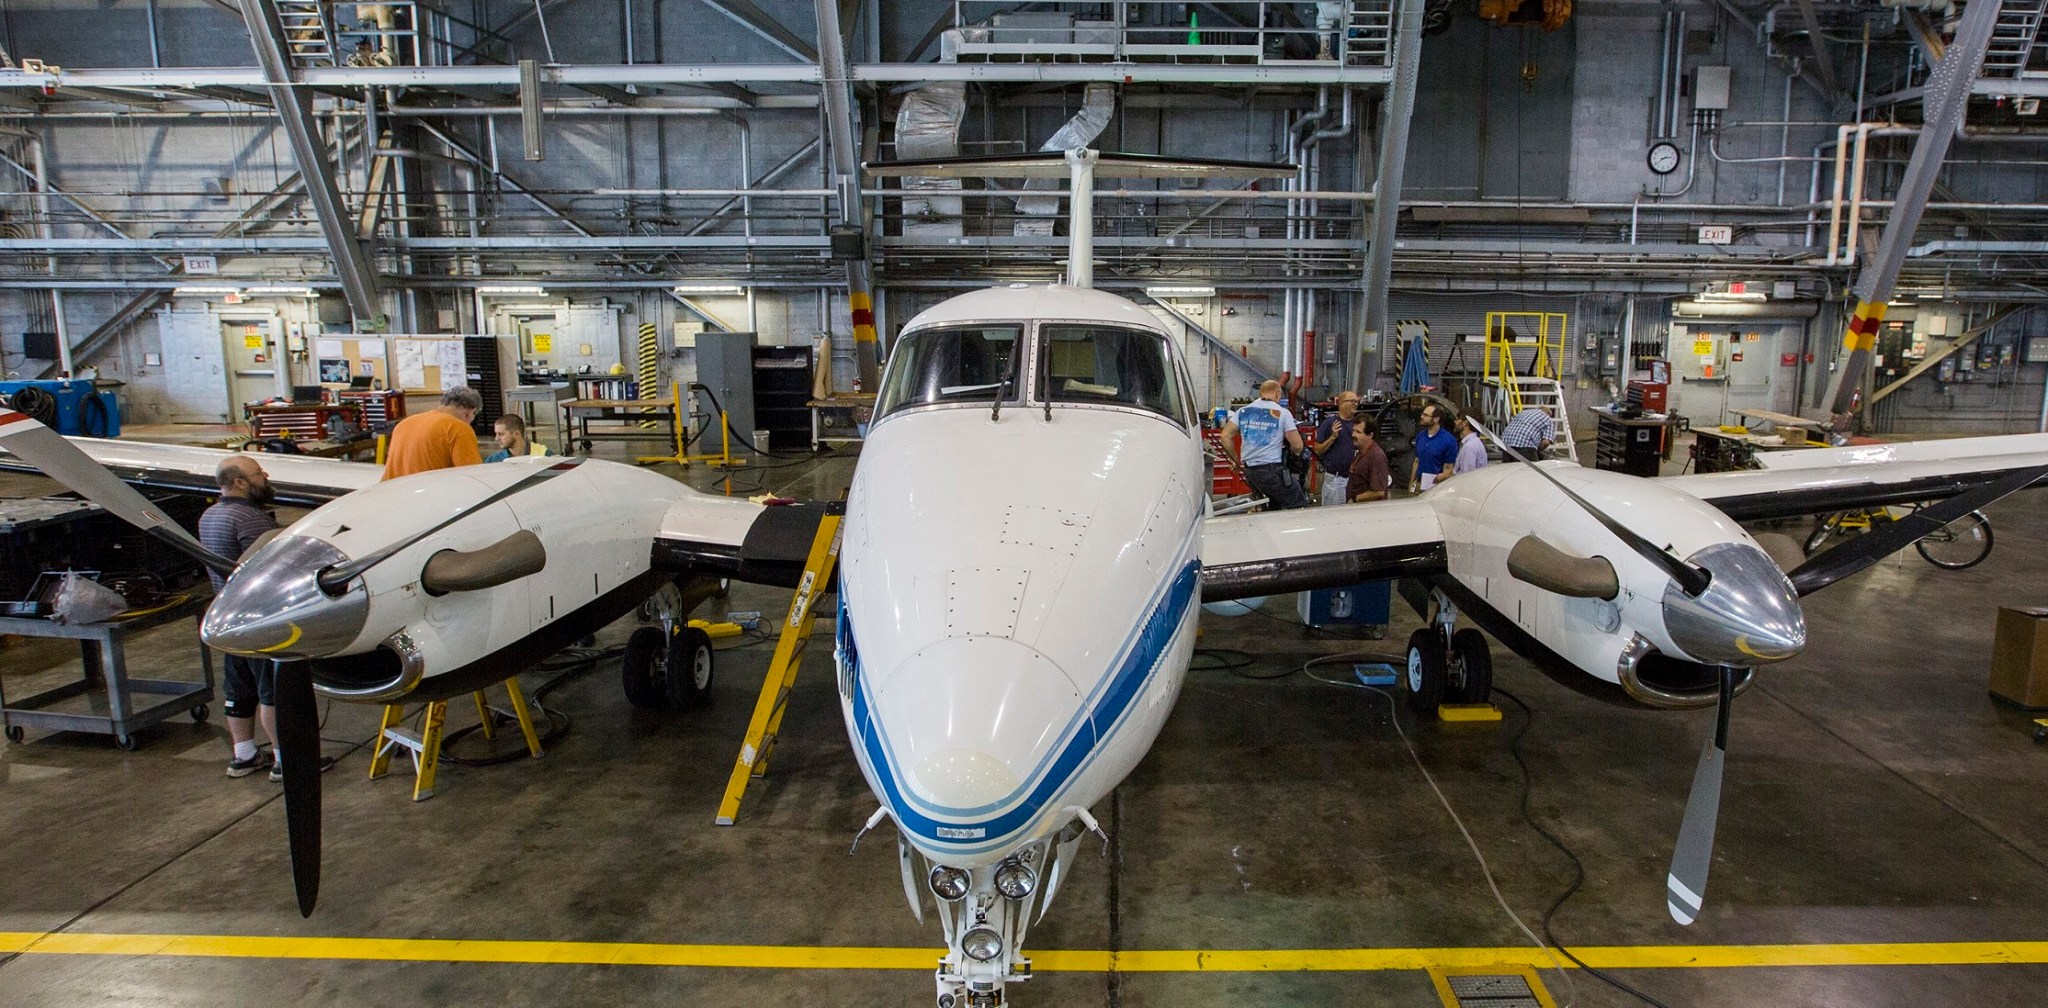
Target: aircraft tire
x,y
1427,674
1475,664
688,669
637,670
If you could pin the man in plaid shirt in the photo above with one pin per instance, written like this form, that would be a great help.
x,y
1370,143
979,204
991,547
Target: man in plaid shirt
x,y
1529,432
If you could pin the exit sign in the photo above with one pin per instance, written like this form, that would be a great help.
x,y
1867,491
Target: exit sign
x,y
202,265
1716,234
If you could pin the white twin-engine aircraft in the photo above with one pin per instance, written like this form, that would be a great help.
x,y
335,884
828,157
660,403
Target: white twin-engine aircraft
x,y
1027,544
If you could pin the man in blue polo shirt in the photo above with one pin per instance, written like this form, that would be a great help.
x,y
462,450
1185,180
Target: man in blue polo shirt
x,y
1255,435
1436,451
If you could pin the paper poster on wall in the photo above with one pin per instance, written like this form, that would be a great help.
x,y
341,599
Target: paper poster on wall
x,y
543,343
252,341
1703,347
452,371
370,348
328,348
412,364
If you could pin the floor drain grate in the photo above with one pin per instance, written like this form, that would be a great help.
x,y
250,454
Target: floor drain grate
x,y
1491,990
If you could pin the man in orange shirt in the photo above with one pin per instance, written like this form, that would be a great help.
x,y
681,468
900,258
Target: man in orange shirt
x,y
437,439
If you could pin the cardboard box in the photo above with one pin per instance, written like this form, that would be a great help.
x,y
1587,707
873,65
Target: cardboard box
x,y
2019,656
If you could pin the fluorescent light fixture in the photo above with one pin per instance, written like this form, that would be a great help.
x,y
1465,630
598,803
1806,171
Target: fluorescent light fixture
x,y
513,289
706,289
289,291
1929,297
202,291
1180,292
1724,297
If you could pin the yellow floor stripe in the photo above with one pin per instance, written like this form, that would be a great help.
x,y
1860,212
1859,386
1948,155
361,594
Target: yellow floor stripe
x,y
1091,961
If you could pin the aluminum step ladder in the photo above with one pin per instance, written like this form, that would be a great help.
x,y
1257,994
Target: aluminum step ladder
x,y
1546,394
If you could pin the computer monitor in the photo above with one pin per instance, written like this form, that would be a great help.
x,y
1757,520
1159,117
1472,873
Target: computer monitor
x,y
305,395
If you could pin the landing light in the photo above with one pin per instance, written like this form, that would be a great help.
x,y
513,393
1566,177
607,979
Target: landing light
x,y
982,944
1015,879
949,884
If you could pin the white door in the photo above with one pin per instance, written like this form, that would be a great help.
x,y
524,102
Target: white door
x,y
250,346
1699,354
195,371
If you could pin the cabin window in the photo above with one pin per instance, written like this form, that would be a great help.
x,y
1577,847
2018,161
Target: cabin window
x,y
952,364
1108,365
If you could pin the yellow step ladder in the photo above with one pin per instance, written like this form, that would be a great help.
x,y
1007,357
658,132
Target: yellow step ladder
x,y
425,747
789,653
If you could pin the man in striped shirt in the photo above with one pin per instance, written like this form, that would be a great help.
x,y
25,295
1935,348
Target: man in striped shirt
x,y
230,527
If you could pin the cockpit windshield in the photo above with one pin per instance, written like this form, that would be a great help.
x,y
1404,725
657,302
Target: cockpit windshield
x,y
1109,365
951,364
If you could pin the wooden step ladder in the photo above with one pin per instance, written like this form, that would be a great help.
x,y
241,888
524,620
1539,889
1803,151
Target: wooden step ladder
x,y
766,723
425,746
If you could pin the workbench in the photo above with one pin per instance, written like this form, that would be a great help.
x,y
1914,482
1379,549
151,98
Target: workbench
x,y
104,699
1720,449
629,414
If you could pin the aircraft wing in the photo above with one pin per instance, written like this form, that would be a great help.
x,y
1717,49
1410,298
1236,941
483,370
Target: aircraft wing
x,y
1818,480
300,480
736,538
1308,548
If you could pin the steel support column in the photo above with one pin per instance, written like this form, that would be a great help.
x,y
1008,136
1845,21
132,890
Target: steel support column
x,y
1395,112
1947,96
836,95
295,114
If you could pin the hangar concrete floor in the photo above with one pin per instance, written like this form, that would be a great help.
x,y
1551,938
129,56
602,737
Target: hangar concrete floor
x,y
1883,840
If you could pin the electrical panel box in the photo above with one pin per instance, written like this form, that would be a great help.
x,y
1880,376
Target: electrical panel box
x,y
1710,88
725,367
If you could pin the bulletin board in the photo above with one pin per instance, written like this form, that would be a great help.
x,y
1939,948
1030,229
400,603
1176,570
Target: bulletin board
x,y
367,356
426,365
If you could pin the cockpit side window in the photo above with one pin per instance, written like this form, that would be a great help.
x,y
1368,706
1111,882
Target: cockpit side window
x,y
951,364
1107,365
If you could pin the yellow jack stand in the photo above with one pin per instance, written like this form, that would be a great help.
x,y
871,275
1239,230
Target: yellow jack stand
x,y
682,457
425,747
789,653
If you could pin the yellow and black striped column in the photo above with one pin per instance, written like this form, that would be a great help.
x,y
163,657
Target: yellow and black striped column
x,y
863,337
649,377
1858,344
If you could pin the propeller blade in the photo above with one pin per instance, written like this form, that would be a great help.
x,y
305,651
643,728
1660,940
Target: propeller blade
x,y
1858,552
334,580
27,439
298,743
1686,885
1691,579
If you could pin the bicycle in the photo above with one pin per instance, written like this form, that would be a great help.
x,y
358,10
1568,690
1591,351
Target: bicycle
x,y
1960,544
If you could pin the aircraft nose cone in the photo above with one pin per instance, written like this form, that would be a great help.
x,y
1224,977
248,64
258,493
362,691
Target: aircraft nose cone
x,y
1748,616
273,607
970,720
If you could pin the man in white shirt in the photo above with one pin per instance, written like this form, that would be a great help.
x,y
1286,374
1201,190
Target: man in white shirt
x,y
1471,450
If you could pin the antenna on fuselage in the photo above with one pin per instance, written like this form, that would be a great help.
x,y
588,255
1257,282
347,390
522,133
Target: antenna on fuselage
x,y
1080,166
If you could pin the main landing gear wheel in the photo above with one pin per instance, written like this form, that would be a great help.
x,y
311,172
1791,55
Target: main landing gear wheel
x,y
1471,667
1428,674
667,674
689,668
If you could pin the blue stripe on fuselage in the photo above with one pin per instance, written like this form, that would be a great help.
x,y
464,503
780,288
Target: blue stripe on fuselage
x,y
1149,647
